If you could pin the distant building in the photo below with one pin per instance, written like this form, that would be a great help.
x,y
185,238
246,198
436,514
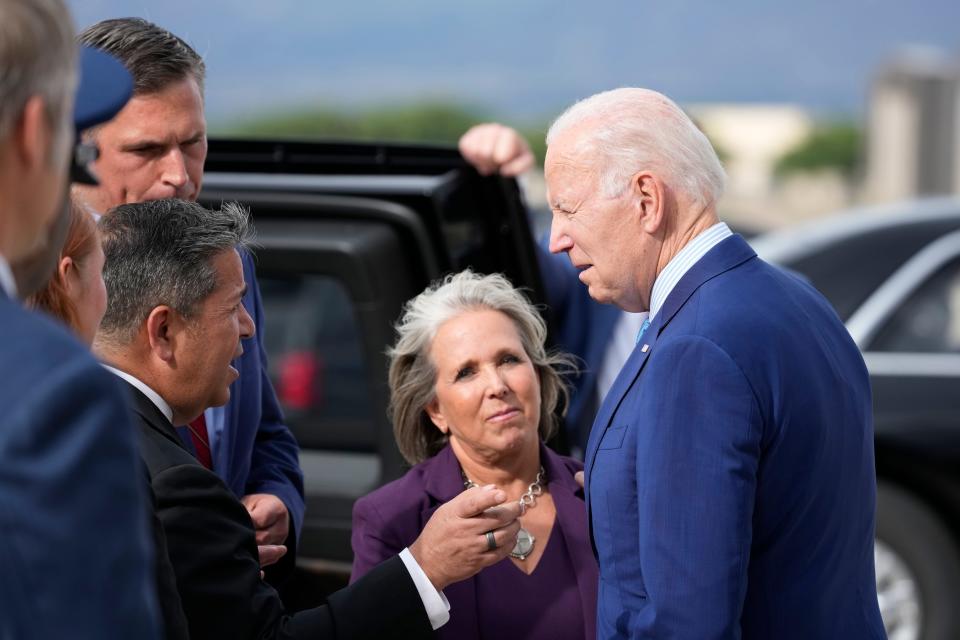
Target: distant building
x,y
913,128
752,138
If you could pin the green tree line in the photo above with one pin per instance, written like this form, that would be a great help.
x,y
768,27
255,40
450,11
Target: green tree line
x,y
429,122
830,146
836,145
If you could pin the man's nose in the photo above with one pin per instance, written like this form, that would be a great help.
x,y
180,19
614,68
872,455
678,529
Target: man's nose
x,y
174,168
559,240
247,327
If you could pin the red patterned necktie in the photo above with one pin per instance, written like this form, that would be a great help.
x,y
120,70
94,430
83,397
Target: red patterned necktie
x,y
201,441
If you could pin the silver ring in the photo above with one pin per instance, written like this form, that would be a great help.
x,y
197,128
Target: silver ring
x,y
491,541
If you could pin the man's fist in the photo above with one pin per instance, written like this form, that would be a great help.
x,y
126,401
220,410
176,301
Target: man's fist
x,y
270,517
272,523
495,148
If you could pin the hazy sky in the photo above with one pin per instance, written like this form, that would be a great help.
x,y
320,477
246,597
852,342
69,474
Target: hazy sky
x,y
528,58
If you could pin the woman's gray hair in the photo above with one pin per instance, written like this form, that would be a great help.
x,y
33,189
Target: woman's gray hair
x,y
639,129
413,375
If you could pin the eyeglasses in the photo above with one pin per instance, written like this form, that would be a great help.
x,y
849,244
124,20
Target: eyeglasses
x,y
84,154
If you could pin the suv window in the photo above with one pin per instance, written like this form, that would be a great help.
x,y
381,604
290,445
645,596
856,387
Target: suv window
x,y
929,321
316,360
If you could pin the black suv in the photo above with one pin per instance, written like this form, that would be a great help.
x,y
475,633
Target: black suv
x,y
349,232
893,275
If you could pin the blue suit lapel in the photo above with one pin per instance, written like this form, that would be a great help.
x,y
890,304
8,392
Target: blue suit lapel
x,y
625,379
631,369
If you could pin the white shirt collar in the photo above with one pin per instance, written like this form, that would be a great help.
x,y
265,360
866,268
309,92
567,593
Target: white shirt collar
x,y
147,391
7,282
683,261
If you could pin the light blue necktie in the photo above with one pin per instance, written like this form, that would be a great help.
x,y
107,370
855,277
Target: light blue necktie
x,y
643,329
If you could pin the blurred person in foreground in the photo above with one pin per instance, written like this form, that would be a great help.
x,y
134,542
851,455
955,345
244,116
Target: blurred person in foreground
x,y
75,555
155,148
730,472
75,293
473,396
174,323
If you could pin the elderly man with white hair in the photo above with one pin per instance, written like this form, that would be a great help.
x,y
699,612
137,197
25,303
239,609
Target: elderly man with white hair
x,y
729,472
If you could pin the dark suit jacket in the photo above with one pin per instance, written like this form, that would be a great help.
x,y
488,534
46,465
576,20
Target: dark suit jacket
x,y
256,452
730,471
75,551
213,552
392,517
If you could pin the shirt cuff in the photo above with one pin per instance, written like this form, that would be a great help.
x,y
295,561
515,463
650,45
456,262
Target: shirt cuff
x,y
435,603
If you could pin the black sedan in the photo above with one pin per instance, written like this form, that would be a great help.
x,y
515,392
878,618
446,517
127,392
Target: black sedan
x,y
893,275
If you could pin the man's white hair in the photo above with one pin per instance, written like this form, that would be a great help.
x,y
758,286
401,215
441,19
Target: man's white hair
x,y
635,129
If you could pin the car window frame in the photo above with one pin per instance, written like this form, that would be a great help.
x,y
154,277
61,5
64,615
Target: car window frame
x,y
873,315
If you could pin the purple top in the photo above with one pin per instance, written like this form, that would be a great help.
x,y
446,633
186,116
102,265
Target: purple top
x,y
392,517
549,597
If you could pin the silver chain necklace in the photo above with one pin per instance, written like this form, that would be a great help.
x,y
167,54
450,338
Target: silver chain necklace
x,y
528,500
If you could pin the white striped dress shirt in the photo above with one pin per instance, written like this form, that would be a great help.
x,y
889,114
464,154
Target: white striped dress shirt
x,y
681,263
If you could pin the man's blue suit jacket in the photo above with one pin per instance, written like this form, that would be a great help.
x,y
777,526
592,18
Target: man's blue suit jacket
x,y
257,453
730,473
76,559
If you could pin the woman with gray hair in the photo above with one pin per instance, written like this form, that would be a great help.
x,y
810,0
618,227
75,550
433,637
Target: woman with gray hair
x,y
473,398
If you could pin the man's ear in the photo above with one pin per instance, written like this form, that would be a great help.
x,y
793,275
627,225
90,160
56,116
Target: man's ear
x,y
436,416
163,326
650,200
32,134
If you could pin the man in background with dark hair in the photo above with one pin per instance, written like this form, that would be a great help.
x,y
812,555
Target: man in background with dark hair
x,y
75,555
155,149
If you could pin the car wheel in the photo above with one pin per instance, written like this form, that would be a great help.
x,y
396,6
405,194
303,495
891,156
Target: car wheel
x,y
918,569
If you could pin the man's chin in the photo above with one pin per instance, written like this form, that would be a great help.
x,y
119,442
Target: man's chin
x,y
222,398
599,294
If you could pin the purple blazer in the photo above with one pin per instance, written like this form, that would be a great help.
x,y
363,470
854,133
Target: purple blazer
x,y
391,518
